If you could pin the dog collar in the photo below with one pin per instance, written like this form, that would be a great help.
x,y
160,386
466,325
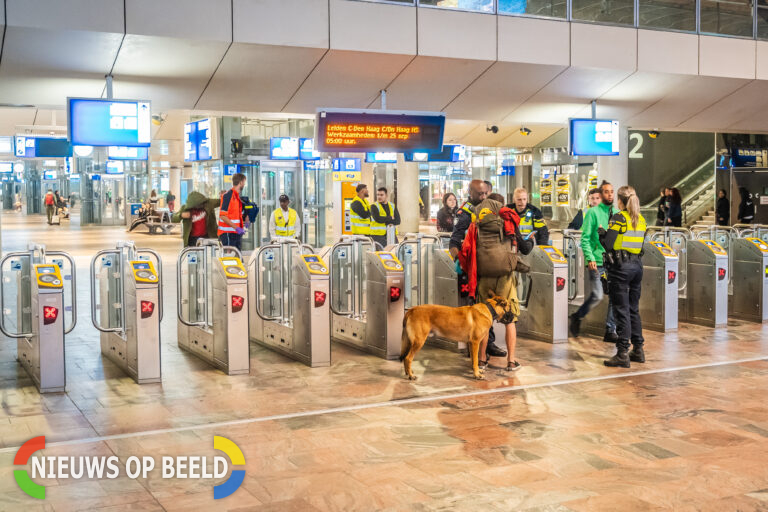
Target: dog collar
x,y
492,311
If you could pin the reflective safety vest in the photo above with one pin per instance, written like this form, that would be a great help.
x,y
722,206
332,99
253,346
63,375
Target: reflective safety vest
x,y
628,239
467,208
528,223
381,229
232,207
283,228
360,226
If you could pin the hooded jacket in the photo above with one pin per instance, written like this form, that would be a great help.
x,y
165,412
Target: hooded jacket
x,y
198,200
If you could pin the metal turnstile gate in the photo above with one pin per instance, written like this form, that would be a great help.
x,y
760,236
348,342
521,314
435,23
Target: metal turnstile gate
x,y
366,297
127,307
543,295
749,275
659,297
33,310
706,301
430,277
212,291
290,287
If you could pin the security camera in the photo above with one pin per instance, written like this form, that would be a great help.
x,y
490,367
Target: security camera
x,y
653,134
492,129
525,131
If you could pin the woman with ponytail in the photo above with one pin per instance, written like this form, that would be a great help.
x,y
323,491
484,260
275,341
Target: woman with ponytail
x,y
623,242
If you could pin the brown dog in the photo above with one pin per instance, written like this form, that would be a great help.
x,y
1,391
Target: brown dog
x,y
469,324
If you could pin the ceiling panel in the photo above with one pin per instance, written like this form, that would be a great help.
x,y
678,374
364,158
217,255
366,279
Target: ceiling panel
x,y
682,103
10,118
172,73
259,78
43,67
500,90
456,130
430,83
747,102
346,79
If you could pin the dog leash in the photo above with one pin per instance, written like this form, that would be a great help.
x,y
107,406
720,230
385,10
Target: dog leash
x,y
492,311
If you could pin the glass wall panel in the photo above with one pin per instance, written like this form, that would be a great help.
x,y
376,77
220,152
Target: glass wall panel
x,y
549,8
668,14
463,5
762,19
728,17
606,11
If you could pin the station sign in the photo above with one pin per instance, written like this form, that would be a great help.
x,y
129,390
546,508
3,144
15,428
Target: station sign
x,y
127,153
100,122
284,148
201,141
26,146
364,130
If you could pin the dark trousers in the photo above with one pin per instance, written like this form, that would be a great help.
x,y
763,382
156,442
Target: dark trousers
x,y
624,280
192,240
231,239
49,212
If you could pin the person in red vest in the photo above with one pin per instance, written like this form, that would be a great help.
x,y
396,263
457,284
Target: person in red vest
x,y
50,205
232,225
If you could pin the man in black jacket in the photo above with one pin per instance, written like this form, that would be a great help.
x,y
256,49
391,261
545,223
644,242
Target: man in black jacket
x,y
531,219
723,209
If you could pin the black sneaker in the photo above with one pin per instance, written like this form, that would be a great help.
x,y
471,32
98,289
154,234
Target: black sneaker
x,y
574,325
610,337
513,366
494,351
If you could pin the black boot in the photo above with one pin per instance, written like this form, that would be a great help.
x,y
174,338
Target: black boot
x,y
610,337
621,359
494,351
574,325
637,355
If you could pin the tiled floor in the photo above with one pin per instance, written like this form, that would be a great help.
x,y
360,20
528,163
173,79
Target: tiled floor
x,y
688,430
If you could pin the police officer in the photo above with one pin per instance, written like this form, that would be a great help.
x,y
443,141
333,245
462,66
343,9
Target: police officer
x,y
624,246
531,219
465,217
360,212
383,214
284,221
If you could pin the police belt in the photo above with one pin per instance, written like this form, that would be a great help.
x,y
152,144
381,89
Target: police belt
x,y
621,256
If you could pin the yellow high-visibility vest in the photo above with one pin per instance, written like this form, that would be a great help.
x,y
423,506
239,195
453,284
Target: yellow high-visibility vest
x,y
360,226
630,240
381,229
283,228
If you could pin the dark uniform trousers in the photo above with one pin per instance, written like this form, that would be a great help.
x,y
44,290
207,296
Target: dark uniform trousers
x,y
624,280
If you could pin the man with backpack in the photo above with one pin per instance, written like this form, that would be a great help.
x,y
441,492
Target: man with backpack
x,y
489,255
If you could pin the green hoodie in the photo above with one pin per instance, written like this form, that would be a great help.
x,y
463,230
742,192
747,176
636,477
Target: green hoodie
x,y
198,200
595,218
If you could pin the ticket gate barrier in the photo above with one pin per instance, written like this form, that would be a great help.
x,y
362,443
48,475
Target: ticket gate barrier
x,y
543,295
722,235
33,310
366,289
430,278
706,301
211,300
290,287
127,308
749,276
659,297
752,231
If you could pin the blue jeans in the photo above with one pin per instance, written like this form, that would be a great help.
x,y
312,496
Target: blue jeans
x,y
595,296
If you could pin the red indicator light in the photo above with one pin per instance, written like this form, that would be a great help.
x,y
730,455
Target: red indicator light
x,y
319,299
147,308
560,283
720,274
50,314
671,275
237,303
394,293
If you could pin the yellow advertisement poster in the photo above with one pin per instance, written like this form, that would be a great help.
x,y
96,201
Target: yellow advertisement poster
x,y
546,192
592,178
563,191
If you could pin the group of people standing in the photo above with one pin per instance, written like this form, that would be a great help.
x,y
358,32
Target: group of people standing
x,y
612,242
54,204
670,210
373,219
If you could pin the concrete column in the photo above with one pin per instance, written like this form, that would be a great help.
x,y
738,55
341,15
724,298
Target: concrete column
x,y
174,183
408,195
615,169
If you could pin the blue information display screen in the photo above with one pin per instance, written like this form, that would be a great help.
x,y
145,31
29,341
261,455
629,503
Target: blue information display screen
x,y
141,266
381,158
450,153
49,175
97,122
379,130
41,147
127,153
311,259
114,167
386,256
307,150
198,141
45,270
594,137
283,148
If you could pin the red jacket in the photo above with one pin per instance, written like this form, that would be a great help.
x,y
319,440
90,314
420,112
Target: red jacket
x,y
468,253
